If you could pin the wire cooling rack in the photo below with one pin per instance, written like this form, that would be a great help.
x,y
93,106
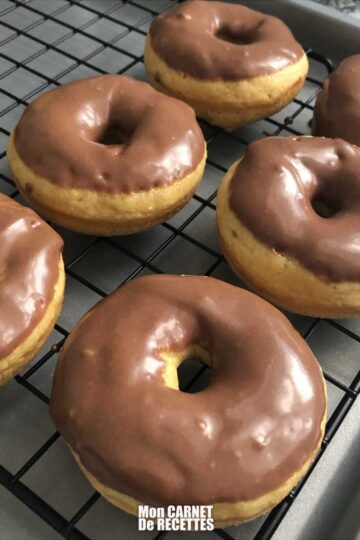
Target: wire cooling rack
x,y
44,43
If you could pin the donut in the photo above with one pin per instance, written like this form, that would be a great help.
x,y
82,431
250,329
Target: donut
x,y
31,285
337,108
288,221
239,445
232,64
107,155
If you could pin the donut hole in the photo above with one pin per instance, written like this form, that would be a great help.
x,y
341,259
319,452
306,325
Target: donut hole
x,y
192,376
324,206
112,136
187,371
224,33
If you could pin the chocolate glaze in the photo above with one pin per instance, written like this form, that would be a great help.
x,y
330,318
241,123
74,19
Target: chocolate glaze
x,y
272,191
29,270
59,136
247,433
337,110
193,37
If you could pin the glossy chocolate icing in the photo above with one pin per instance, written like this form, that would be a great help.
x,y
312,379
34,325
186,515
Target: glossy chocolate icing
x,y
29,269
272,193
257,423
59,136
215,40
337,110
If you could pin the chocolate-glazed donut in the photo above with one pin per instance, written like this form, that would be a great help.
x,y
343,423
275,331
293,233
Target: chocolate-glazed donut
x,y
31,285
250,435
288,220
233,65
337,109
68,164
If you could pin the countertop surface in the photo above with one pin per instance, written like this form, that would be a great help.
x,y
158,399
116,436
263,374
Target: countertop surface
x,y
346,6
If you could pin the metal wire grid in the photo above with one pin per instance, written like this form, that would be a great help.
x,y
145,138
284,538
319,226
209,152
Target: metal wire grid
x,y
82,37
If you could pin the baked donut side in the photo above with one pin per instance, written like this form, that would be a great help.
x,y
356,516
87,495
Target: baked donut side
x,y
276,274
32,285
66,171
225,96
224,514
19,358
241,103
95,213
257,445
